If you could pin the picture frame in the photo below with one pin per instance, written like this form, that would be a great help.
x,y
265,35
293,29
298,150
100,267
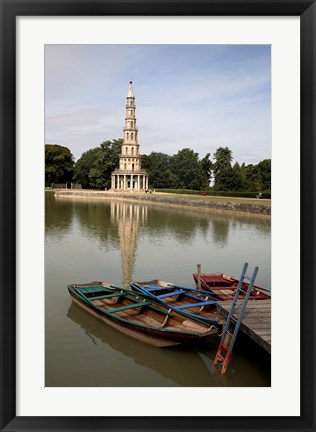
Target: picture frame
x,y
8,238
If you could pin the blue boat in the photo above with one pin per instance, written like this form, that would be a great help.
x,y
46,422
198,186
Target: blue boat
x,y
192,302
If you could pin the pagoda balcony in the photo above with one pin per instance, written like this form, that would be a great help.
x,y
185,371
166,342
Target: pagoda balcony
x,y
118,171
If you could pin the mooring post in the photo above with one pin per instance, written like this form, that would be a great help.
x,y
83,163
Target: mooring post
x,y
199,276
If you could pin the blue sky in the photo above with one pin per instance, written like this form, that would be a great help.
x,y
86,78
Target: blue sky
x,y
197,96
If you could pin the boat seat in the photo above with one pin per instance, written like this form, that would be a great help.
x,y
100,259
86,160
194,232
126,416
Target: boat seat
x,y
171,294
131,306
202,303
194,297
107,296
90,289
207,298
157,288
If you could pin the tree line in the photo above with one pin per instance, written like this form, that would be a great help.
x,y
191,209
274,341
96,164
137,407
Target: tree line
x,y
183,170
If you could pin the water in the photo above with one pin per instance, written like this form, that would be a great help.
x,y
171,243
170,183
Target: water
x,y
118,242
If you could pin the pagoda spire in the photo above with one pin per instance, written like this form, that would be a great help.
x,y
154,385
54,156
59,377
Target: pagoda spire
x,y
130,92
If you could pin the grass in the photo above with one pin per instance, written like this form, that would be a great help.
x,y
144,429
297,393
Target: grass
x,y
266,202
188,197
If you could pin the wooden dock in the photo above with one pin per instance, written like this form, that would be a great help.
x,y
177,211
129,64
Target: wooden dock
x,y
256,322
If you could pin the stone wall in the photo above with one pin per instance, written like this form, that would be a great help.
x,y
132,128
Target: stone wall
x,y
227,206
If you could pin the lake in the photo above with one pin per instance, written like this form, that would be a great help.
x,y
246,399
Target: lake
x,y
120,242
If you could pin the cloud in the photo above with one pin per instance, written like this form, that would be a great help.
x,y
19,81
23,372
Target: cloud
x,y
200,97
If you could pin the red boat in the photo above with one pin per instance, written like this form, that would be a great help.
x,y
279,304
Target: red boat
x,y
224,287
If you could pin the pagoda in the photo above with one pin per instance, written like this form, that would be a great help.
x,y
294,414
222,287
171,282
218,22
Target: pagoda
x,y
129,175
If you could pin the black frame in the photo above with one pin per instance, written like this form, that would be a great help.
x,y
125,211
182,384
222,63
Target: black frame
x,y
9,10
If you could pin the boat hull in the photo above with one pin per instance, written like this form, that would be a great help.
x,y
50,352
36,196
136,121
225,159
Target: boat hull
x,y
223,287
158,337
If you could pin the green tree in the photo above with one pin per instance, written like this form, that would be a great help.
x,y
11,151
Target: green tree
x,y
158,167
230,179
94,168
186,169
253,178
84,165
265,174
222,161
59,164
206,166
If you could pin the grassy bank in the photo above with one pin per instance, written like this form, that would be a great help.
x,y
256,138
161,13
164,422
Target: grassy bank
x,y
212,198
223,204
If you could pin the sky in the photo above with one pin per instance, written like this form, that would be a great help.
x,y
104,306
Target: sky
x,y
200,97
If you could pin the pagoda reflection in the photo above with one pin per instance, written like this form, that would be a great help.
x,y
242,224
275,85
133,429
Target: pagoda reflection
x,y
128,217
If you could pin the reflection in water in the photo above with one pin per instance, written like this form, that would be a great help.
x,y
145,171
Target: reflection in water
x,y
57,221
118,222
118,241
127,217
188,365
120,226
220,231
165,361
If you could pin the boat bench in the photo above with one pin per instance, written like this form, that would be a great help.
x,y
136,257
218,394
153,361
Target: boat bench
x,y
107,296
171,294
135,305
199,298
157,288
90,289
150,287
202,303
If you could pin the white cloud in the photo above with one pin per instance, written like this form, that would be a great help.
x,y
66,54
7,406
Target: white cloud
x,y
202,97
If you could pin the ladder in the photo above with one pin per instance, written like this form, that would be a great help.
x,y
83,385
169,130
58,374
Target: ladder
x,y
228,336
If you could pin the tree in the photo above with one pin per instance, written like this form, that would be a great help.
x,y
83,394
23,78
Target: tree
x,y
59,164
186,169
106,162
253,178
265,174
223,158
230,179
84,165
94,168
206,166
158,167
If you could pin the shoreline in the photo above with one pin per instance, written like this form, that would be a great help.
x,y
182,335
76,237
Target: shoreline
x,y
223,205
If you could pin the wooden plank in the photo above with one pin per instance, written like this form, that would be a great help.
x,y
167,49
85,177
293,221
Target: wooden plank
x,y
254,304
256,322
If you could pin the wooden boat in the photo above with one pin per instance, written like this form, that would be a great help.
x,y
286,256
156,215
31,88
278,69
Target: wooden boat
x,y
192,302
138,316
223,287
